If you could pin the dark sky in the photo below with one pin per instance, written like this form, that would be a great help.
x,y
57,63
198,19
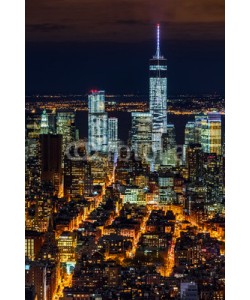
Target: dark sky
x,y
74,45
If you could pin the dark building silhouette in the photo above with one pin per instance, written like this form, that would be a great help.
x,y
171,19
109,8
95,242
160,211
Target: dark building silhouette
x,y
51,164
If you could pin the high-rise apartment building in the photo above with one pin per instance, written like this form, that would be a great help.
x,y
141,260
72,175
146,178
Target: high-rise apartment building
x,y
189,133
32,167
76,170
113,134
169,156
141,141
189,138
195,162
97,123
65,125
208,132
214,121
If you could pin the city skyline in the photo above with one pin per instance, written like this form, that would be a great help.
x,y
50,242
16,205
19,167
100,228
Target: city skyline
x,y
121,200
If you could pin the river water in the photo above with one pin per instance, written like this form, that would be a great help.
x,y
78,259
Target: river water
x,y
124,124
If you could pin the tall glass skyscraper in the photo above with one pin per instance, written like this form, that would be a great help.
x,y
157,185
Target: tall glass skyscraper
x,y
97,122
113,134
214,120
189,133
65,125
189,138
158,95
141,133
44,129
169,146
208,132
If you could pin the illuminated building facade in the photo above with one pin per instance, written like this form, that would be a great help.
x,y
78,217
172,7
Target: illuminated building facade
x,y
65,125
167,194
158,95
44,123
113,134
212,176
66,245
169,156
33,243
97,123
200,120
33,168
189,133
52,122
76,170
141,134
134,194
189,138
43,276
195,162
214,121
210,133
36,275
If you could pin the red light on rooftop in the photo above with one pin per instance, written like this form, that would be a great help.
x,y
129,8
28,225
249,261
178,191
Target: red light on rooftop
x,y
93,91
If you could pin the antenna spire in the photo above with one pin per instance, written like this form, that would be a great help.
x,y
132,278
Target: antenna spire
x,y
158,41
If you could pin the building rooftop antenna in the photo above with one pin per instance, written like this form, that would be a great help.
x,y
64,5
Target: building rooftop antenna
x,y
158,42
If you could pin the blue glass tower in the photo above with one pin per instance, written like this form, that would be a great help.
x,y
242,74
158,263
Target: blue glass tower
x,y
158,95
97,122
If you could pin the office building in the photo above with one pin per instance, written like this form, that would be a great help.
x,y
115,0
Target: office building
x,y
113,134
76,170
141,140
65,126
189,291
189,138
52,122
158,95
214,121
195,162
51,159
66,244
44,128
33,243
97,123
169,156
208,132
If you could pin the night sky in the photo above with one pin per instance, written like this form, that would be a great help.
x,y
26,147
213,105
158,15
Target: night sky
x,y
75,45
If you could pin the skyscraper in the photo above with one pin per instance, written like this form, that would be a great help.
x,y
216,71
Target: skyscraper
x,y
189,138
141,134
65,125
113,134
158,95
214,120
33,168
195,162
208,132
52,121
169,146
44,123
199,120
97,122
75,172
189,133
51,165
